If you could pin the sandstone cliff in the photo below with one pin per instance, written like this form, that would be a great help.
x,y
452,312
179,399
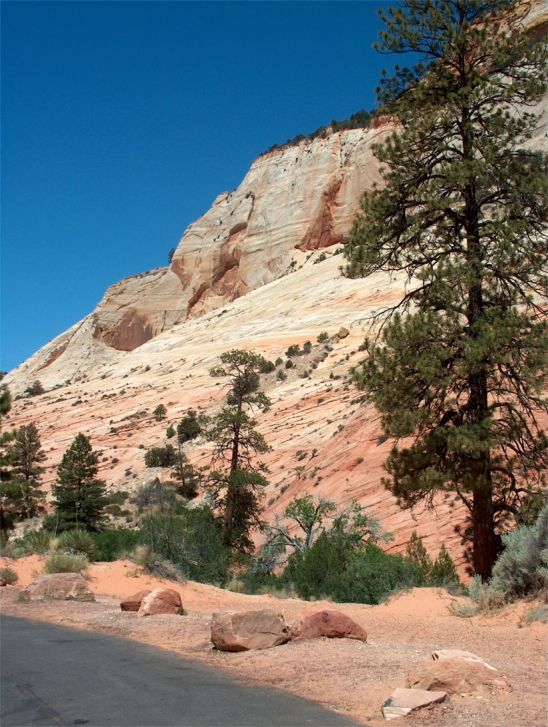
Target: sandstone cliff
x,y
259,270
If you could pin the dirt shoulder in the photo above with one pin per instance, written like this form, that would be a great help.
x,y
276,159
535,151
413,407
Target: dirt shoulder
x,y
350,677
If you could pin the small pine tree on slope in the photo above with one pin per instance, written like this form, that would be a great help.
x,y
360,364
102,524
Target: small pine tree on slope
x,y
458,370
80,498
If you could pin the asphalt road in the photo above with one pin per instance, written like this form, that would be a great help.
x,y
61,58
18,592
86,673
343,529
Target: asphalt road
x,y
51,675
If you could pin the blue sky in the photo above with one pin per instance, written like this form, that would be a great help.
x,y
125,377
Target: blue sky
x,y
121,122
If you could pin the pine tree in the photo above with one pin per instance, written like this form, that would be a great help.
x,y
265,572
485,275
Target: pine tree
x,y
458,370
235,487
8,492
25,453
80,498
186,475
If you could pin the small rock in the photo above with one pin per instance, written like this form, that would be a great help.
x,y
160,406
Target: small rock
x,y
458,676
402,701
58,586
3,582
133,603
343,333
248,630
160,601
442,654
330,624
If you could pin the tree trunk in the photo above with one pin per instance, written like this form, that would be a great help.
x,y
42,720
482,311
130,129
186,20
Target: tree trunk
x,y
485,547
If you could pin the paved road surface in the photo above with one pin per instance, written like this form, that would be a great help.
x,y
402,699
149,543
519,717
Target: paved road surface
x,y
53,675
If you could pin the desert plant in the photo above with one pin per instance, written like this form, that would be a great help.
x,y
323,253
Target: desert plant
x,y
154,564
77,541
463,609
65,563
35,389
323,337
170,432
293,350
160,412
307,347
34,542
537,614
281,375
267,366
115,543
8,575
161,456
154,495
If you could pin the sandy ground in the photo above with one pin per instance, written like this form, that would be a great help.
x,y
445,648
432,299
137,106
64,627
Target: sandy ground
x,y
350,677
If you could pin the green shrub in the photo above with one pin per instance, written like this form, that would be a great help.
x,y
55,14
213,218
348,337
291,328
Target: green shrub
x,y
537,614
281,375
8,575
115,543
35,389
289,364
155,495
35,542
292,351
65,563
463,610
161,456
279,361
307,347
485,596
154,564
323,337
170,432
191,540
77,541
267,366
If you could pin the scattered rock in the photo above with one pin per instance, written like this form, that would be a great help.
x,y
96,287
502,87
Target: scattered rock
x,y
330,624
133,603
248,630
343,333
402,701
442,654
58,586
459,676
2,582
160,601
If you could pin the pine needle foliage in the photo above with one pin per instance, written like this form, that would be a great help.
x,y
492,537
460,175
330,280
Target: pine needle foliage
x,y
459,367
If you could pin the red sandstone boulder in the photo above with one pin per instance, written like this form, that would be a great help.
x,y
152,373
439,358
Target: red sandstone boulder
x,y
459,676
330,624
58,586
133,603
248,630
160,601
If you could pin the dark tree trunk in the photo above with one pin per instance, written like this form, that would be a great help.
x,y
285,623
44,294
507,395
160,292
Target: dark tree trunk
x,y
485,545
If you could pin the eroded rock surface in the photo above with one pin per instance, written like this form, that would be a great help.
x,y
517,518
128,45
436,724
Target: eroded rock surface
x,y
330,624
459,676
248,630
58,586
161,601
402,701
133,603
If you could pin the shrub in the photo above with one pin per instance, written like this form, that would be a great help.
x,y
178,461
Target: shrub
x,y
307,347
154,495
281,375
292,351
65,563
191,540
161,456
77,541
170,432
323,337
35,389
267,366
279,361
154,564
115,543
35,542
537,614
463,610
8,575
289,364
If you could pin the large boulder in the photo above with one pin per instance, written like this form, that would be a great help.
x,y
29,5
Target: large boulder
x,y
330,624
458,675
160,601
58,586
133,603
402,701
248,630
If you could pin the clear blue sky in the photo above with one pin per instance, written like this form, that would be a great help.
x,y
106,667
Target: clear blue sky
x,y
121,122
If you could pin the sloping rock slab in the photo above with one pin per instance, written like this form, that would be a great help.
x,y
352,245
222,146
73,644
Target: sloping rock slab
x,y
58,586
443,654
459,676
248,630
133,603
402,701
161,601
330,624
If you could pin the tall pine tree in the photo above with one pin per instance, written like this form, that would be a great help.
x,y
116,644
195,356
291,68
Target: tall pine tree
x,y
26,454
459,368
236,485
80,498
